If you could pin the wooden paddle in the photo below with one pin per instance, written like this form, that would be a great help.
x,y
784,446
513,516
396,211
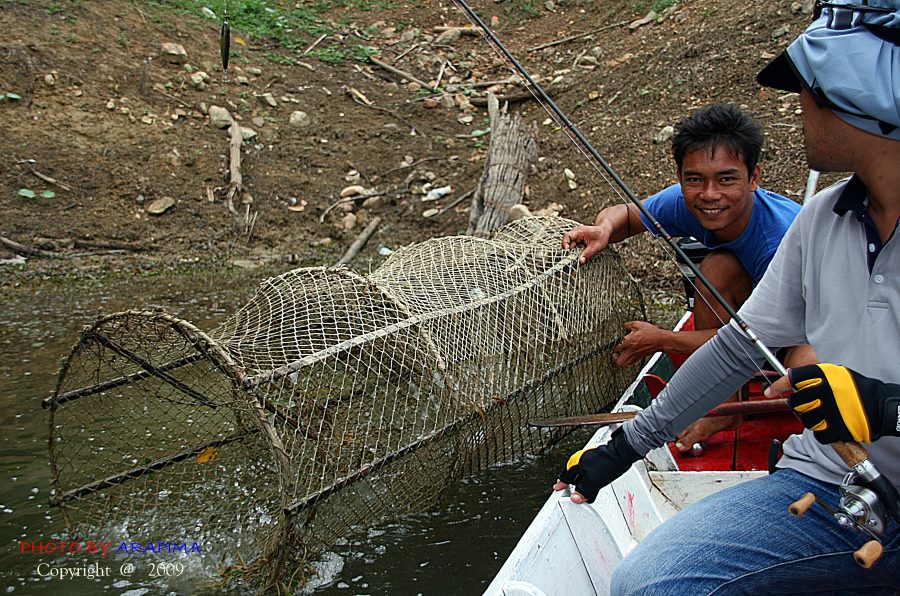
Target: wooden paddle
x,y
767,406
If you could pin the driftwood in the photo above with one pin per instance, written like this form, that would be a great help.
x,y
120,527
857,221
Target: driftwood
x,y
502,184
235,189
236,178
360,241
21,249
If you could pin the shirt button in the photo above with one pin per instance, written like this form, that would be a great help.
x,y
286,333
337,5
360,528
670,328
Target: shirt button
x,y
879,279
871,248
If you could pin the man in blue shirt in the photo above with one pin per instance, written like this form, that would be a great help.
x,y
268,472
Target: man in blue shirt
x,y
719,202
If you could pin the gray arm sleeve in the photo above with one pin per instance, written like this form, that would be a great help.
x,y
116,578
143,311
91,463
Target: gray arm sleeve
x,y
706,379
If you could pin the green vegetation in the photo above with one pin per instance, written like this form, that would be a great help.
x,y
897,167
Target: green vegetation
x,y
30,194
657,6
332,54
525,8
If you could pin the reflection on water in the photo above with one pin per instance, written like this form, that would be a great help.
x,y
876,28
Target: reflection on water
x,y
455,549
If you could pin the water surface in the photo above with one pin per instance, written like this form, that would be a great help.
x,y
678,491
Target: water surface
x,y
455,549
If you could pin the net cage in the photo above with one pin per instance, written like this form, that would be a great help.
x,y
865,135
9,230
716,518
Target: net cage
x,y
333,401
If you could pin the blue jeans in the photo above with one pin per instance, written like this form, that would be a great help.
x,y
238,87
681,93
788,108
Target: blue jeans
x,y
743,541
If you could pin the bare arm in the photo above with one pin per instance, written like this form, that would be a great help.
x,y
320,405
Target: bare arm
x,y
611,225
644,338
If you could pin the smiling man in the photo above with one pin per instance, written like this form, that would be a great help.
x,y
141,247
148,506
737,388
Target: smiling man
x,y
717,201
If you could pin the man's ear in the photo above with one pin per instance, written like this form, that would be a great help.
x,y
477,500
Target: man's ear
x,y
678,173
754,178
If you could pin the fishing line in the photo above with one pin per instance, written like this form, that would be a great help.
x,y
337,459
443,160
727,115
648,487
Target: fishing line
x,y
619,187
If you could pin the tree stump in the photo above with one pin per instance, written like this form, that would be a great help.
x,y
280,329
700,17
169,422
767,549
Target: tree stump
x,y
502,184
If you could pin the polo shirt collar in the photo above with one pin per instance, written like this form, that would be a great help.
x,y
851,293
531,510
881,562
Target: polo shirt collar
x,y
853,198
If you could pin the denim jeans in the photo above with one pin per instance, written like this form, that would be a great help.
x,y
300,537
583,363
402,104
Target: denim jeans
x,y
743,541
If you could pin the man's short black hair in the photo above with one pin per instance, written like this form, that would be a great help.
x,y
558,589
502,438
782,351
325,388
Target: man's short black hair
x,y
718,125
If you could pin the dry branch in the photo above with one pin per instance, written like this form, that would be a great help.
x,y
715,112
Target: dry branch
x,y
360,241
579,36
27,250
399,72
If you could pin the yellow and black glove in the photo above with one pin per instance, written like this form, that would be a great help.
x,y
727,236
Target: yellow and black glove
x,y
839,404
592,469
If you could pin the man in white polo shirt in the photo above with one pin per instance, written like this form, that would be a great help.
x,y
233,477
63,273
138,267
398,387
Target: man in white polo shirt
x,y
834,282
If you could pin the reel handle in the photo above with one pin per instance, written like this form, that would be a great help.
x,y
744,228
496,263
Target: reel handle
x,y
802,505
868,554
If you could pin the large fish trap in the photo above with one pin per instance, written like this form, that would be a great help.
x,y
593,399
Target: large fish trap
x,y
331,400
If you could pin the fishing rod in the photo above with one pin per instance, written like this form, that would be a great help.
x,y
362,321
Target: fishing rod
x,y
587,146
853,454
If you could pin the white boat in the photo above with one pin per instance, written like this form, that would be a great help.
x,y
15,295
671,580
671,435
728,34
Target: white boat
x,y
572,549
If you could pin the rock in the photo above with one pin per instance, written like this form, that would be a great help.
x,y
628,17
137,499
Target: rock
x,y
648,18
551,210
431,102
780,31
299,119
110,105
258,121
349,221
430,212
569,174
371,202
463,103
269,100
664,135
160,206
518,212
436,193
352,191
242,80
448,36
219,117
447,101
49,79
247,133
198,81
174,53
254,71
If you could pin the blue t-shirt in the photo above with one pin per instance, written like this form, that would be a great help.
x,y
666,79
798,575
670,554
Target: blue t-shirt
x,y
770,218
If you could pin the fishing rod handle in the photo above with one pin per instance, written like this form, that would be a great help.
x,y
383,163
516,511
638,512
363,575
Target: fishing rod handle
x,y
852,453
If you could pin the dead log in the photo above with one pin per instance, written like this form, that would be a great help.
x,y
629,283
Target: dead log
x,y
502,185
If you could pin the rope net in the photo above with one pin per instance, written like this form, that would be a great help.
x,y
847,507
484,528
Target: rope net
x,y
333,401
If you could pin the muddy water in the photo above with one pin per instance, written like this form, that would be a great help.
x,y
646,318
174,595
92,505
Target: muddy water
x,y
455,549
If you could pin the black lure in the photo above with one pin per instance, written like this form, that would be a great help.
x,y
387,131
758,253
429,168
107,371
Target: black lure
x,y
225,44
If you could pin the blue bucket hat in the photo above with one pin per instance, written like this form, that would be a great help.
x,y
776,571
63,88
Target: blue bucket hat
x,y
849,60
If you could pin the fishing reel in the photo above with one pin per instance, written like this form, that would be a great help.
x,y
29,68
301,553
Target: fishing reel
x,y
859,508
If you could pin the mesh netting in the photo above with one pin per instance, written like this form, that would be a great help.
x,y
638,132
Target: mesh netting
x,y
331,400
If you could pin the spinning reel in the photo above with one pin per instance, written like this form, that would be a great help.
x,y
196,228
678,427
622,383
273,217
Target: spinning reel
x,y
867,503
